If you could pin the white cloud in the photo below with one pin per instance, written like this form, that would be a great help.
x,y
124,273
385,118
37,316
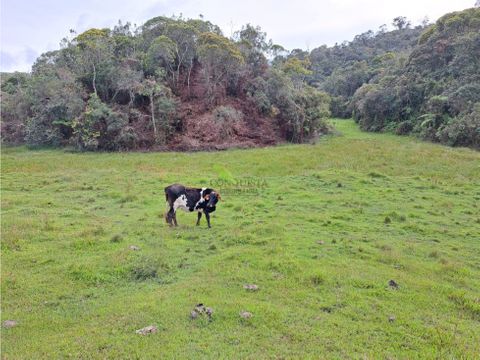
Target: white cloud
x,y
37,25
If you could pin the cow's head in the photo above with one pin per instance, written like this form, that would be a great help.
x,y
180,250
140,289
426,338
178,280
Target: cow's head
x,y
212,199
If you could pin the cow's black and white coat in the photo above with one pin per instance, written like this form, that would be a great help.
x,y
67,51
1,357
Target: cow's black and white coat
x,y
203,201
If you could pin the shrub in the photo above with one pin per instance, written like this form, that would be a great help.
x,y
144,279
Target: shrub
x,y
404,128
98,126
127,138
257,93
227,118
340,108
38,132
463,130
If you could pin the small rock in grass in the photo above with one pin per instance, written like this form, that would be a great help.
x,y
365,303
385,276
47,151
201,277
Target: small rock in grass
x,y
134,247
251,287
147,330
393,284
391,318
201,309
209,311
193,315
245,315
9,324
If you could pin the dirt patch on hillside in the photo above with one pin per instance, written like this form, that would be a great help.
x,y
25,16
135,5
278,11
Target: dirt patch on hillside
x,y
228,125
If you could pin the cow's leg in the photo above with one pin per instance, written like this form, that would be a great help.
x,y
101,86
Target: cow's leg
x,y
170,216
207,215
199,216
175,218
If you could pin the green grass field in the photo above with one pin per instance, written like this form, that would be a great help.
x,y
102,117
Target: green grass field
x,y
333,223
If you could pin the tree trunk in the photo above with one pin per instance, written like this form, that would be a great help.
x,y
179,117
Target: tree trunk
x,y
178,76
114,95
153,117
93,81
188,78
131,96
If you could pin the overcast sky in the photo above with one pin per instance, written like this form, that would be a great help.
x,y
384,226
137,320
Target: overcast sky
x,y
29,27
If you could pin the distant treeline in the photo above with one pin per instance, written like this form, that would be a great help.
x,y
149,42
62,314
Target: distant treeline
x,y
423,80
179,83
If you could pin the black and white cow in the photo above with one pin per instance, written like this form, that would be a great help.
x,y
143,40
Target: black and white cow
x,y
189,199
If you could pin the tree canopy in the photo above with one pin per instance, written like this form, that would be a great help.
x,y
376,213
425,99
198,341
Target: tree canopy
x,y
162,85
435,92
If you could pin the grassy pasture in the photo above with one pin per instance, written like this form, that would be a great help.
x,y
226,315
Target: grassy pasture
x,y
334,223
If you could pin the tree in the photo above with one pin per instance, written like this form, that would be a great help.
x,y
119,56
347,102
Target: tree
x,y
401,22
301,111
220,59
15,106
125,43
425,21
128,79
161,54
55,100
152,29
184,37
98,127
253,45
382,29
160,102
297,70
95,56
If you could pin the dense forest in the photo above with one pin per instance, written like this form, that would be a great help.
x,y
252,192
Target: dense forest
x,y
178,83
342,69
435,91
173,83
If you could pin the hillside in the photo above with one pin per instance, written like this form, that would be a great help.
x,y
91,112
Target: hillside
x,y
332,224
436,92
180,84
341,69
172,83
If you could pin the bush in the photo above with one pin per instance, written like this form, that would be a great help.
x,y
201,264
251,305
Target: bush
x,y
339,107
462,131
300,110
98,127
257,93
404,128
227,118
39,132
316,105
127,139
15,107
